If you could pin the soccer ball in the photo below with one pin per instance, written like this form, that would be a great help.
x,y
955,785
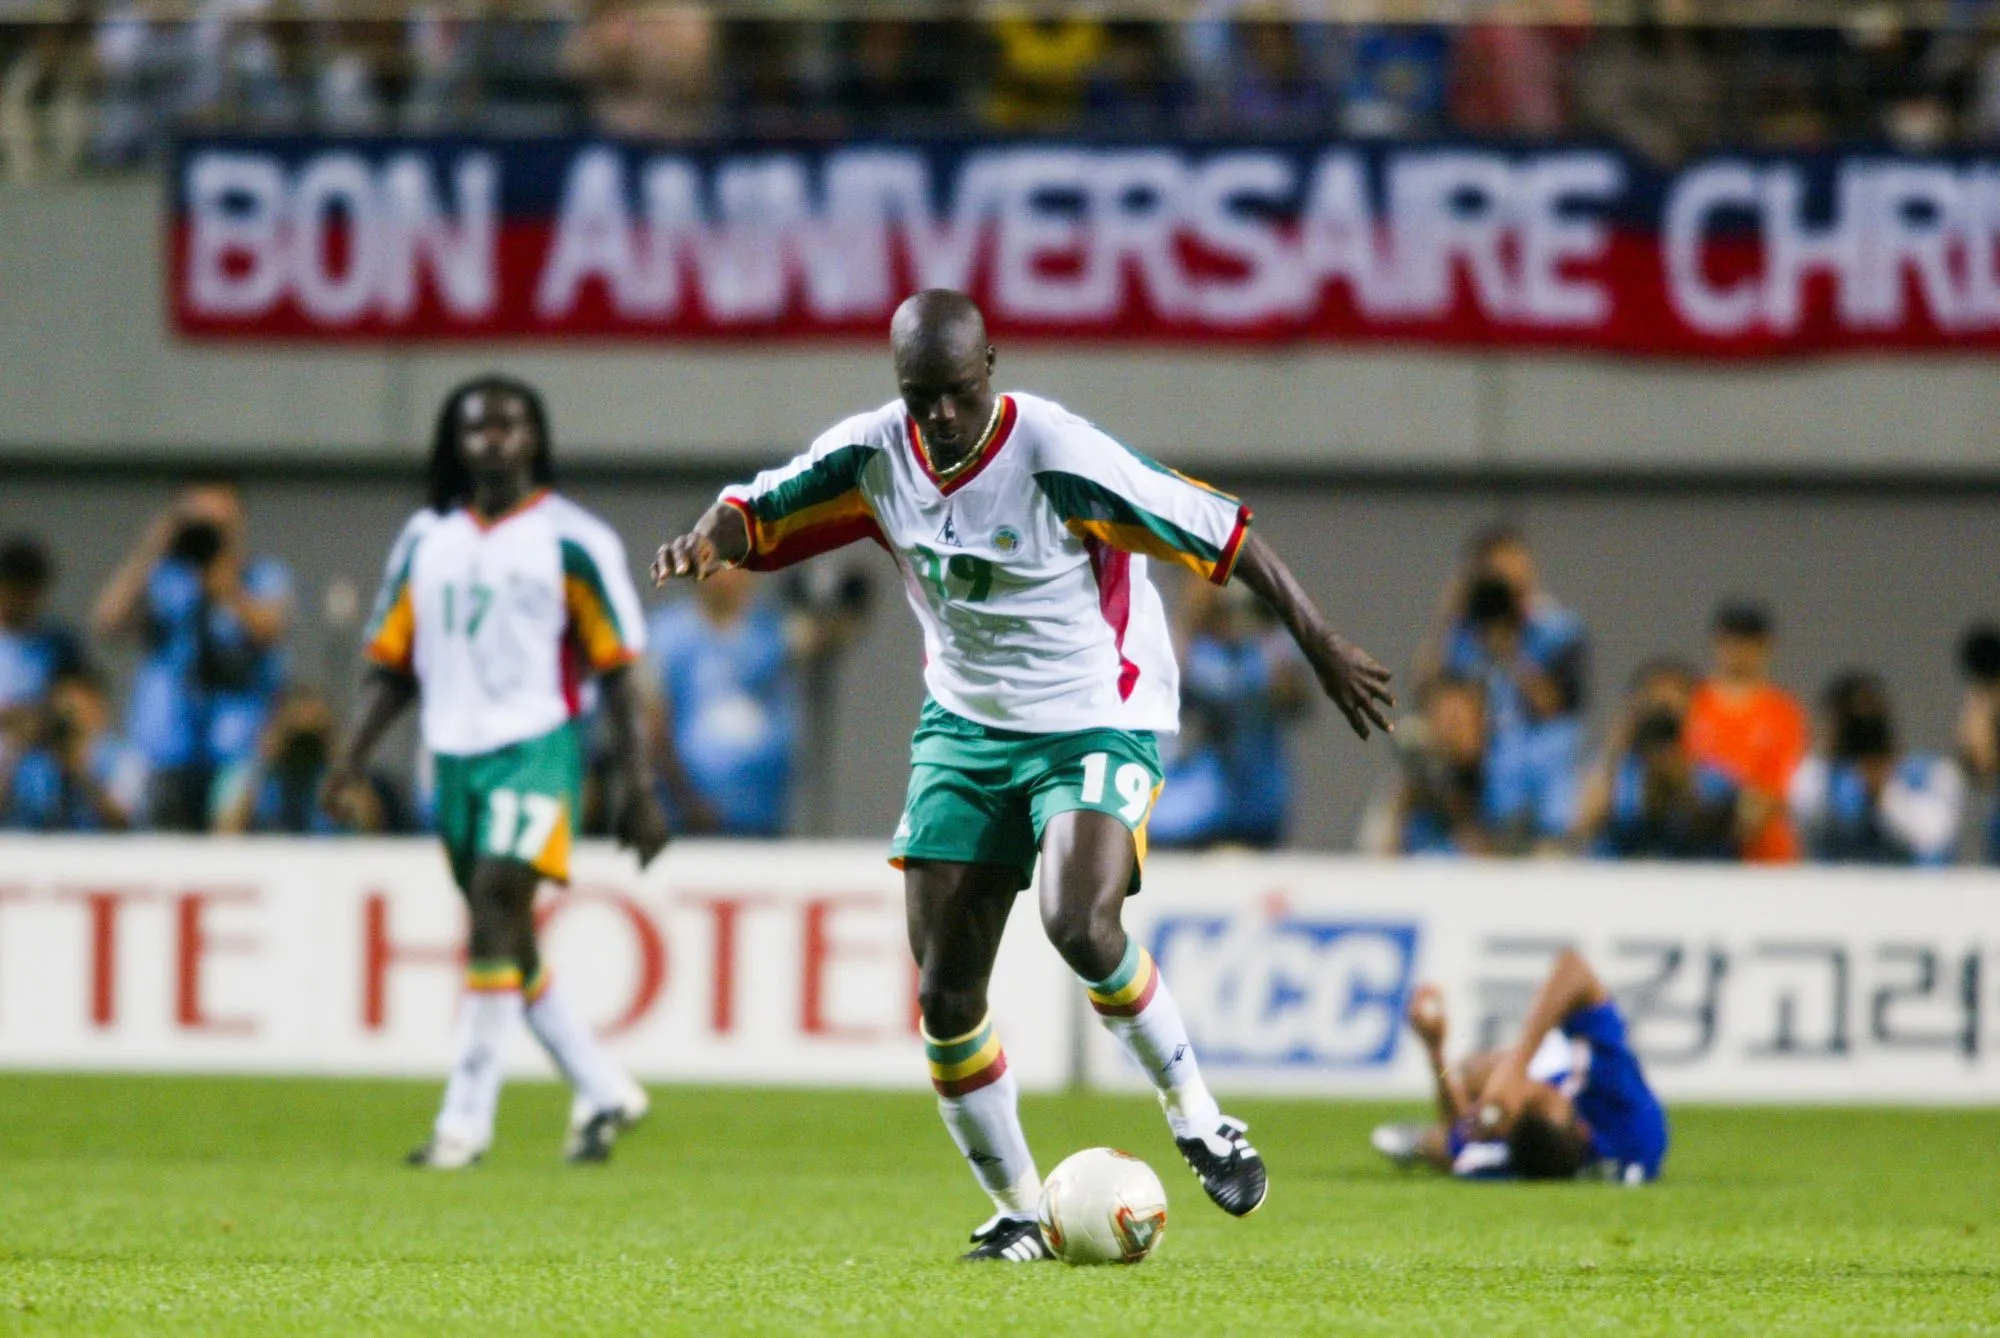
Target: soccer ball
x,y
1103,1206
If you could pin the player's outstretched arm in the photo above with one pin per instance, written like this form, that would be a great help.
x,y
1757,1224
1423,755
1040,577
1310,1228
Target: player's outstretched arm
x,y
640,824
721,538
385,694
1571,986
1426,1017
1358,685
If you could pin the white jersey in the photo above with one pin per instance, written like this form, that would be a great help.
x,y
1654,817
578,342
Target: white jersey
x,y
1027,568
500,621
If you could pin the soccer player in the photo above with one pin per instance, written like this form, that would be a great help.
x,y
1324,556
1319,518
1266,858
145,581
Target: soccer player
x,y
1542,1109
1022,534
499,596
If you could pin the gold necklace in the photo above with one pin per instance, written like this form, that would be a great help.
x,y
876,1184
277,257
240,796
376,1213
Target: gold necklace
x,y
992,422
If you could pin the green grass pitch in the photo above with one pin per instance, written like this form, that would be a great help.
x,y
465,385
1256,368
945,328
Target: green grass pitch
x,y
211,1206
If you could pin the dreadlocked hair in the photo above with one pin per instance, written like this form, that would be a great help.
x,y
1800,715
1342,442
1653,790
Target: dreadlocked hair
x,y
449,482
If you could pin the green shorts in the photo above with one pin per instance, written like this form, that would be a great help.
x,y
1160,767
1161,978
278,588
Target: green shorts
x,y
519,802
984,796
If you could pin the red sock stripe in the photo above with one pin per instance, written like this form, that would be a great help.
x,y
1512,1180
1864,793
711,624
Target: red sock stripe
x,y
972,1082
1138,1005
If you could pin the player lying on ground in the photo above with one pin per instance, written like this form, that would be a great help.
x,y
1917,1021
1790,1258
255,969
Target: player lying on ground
x,y
499,596
1538,1111
1022,534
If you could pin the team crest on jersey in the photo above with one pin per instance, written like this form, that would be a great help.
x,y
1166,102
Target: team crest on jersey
x,y
1006,539
949,534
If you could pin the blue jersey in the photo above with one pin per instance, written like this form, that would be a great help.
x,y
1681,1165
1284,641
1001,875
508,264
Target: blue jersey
x,y
1628,1126
201,696
33,659
734,709
1234,782
44,799
1531,764
1701,827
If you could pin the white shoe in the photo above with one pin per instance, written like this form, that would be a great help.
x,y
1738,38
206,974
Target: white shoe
x,y
442,1152
1400,1143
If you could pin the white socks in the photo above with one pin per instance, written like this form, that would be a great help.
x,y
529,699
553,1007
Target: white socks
x,y
486,1018
1134,1005
573,1046
980,1103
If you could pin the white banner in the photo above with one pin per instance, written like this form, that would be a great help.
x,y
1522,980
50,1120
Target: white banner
x,y
1805,984
787,963
726,962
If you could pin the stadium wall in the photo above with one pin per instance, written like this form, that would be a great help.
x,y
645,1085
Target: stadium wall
x,y
787,965
93,372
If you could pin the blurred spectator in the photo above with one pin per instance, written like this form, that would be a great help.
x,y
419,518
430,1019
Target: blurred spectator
x,y
1395,81
1042,69
1273,89
1243,684
520,48
35,650
1529,652
1440,801
73,774
1749,728
725,721
1862,801
1507,76
1979,725
895,81
212,619
1138,89
277,789
45,103
1650,86
352,68
650,68
1651,799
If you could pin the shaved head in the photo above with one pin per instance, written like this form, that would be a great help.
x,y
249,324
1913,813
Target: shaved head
x,y
937,323
944,371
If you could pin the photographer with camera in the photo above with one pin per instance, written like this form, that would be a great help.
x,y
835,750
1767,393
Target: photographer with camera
x,y
212,619
1650,798
1859,800
726,718
35,650
278,788
74,775
1979,725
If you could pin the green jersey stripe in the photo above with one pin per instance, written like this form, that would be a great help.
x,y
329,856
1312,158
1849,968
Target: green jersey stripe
x,y
831,475
577,562
1076,498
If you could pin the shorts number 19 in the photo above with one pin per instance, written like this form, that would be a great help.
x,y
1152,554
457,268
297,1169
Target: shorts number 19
x,y
1134,782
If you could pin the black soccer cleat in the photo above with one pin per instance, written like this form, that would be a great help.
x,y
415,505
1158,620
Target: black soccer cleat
x,y
1233,1176
1008,1240
590,1143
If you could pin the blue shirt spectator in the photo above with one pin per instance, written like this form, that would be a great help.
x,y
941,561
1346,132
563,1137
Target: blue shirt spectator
x,y
1666,806
728,724
1442,803
1531,664
76,776
34,650
1241,688
1396,78
1861,801
212,621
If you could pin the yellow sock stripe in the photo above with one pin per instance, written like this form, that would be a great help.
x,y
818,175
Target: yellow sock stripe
x,y
538,986
486,976
1132,989
983,1057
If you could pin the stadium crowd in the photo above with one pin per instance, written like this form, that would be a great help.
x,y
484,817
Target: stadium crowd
x,y
108,85
1714,763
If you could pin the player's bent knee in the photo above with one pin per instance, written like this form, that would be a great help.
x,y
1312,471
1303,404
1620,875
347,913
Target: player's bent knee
x,y
951,1010
1091,945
